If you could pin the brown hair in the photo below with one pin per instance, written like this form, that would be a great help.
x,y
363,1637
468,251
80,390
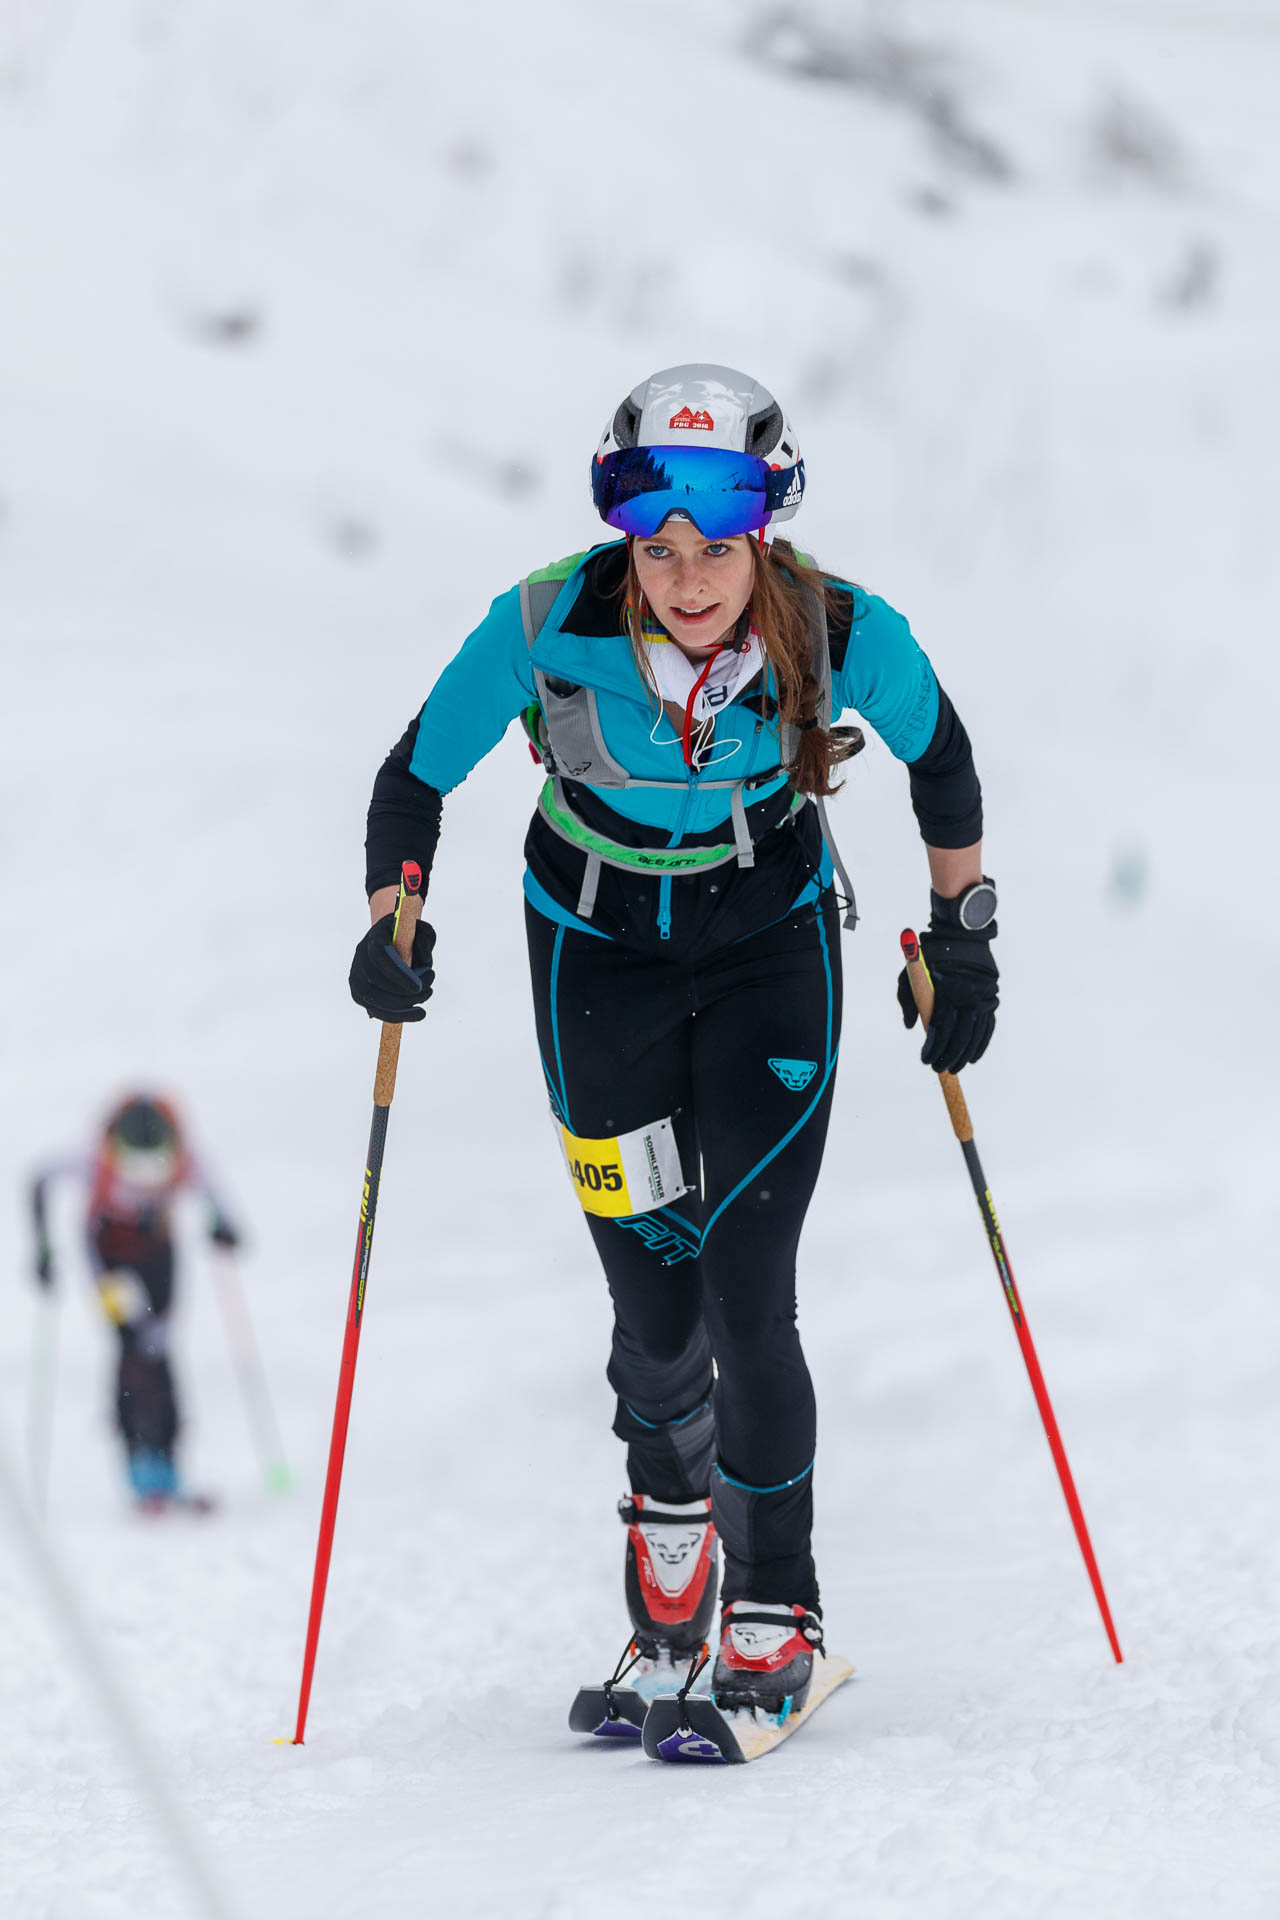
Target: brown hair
x,y
781,617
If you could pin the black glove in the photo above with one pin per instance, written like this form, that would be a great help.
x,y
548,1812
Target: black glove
x,y
44,1263
965,977
380,981
222,1233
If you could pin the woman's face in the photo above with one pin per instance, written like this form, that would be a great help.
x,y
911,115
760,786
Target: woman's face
x,y
696,587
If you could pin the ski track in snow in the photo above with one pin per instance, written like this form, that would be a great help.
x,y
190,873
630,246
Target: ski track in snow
x,y
308,330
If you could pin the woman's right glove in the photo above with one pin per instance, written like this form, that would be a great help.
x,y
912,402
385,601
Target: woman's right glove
x,y
380,981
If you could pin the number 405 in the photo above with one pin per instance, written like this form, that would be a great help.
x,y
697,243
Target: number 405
x,y
609,1177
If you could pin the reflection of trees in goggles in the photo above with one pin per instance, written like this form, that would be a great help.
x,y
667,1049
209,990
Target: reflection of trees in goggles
x,y
721,491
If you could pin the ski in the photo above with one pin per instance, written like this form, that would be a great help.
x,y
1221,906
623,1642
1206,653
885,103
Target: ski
x,y
613,1711
610,1713
693,1728
153,1506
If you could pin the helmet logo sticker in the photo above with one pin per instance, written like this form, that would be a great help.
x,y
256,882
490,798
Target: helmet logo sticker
x,y
689,422
795,1075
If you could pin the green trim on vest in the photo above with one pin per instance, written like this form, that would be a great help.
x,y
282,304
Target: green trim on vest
x,y
642,859
559,569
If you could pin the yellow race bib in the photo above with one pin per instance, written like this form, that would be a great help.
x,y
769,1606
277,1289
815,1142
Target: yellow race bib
x,y
631,1173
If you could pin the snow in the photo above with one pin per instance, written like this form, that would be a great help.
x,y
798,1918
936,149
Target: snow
x,y
311,317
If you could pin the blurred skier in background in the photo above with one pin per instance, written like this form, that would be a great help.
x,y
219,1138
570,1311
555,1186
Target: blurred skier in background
x,y
679,686
141,1165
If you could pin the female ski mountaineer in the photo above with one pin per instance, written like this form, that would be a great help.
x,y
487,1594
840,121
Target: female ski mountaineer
x,y
139,1169
679,685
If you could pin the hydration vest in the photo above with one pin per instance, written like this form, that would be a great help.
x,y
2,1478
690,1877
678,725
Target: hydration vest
x,y
564,728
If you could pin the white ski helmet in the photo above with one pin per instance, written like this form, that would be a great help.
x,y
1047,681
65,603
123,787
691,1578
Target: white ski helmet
x,y
725,455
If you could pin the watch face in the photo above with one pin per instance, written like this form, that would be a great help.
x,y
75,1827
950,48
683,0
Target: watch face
x,y
978,908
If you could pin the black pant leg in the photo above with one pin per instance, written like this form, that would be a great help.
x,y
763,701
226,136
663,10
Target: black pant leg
x,y
146,1403
146,1406
614,1034
740,1049
764,1057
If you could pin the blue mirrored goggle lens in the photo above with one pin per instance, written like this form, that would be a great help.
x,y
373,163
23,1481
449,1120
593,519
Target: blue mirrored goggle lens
x,y
722,492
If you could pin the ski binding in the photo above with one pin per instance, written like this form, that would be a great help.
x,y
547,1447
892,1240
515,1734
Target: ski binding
x,y
616,1712
690,1727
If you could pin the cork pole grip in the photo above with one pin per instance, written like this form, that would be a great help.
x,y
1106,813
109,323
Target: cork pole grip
x,y
408,914
922,989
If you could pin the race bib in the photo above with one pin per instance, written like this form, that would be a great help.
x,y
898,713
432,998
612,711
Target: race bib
x,y
632,1173
124,1298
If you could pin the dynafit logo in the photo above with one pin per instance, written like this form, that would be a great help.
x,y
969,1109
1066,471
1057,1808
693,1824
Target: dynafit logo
x,y
688,422
795,1075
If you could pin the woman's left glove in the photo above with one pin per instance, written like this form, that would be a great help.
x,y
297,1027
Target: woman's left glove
x,y
965,985
380,981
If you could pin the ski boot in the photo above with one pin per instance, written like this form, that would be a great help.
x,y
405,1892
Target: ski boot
x,y
671,1577
157,1489
153,1477
765,1661
671,1574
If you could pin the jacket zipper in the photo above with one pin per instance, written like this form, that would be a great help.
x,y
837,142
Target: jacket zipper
x,y
691,787
686,748
664,884
664,907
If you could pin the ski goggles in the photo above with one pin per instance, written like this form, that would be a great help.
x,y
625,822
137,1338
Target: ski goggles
x,y
638,488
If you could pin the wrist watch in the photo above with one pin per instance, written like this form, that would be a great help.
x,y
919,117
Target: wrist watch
x,y
973,910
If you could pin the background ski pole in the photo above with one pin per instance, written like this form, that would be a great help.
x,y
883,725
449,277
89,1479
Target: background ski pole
x,y
251,1374
922,988
154,1775
41,1387
408,911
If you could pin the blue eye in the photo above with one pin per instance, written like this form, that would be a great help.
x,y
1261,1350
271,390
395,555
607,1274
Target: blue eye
x,y
716,548
656,552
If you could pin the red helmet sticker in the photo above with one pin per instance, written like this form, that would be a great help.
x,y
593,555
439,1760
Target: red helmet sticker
x,y
687,422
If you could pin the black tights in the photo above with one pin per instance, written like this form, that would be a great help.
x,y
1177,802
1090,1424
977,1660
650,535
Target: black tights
x,y
738,1048
146,1409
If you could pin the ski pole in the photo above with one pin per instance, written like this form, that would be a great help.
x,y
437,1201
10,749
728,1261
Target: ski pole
x,y
251,1374
408,910
59,1600
962,1125
41,1387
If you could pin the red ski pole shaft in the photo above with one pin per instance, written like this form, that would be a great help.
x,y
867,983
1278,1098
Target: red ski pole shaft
x,y
962,1125
408,911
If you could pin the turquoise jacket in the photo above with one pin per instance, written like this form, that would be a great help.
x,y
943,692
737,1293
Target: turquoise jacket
x,y
884,676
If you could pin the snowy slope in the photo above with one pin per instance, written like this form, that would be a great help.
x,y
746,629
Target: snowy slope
x,y
310,318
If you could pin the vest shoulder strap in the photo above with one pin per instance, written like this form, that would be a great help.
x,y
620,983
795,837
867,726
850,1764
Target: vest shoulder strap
x,y
540,590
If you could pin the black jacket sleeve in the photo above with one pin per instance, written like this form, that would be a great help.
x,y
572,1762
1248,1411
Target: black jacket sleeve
x,y
945,792
404,818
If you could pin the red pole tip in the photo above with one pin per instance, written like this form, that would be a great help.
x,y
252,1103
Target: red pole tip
x,y
910,945
411,874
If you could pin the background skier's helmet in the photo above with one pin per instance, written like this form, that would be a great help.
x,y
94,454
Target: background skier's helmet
x,y
144,1141
707,443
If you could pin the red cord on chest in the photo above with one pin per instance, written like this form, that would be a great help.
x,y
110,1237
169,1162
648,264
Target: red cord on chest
x,y
686,741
